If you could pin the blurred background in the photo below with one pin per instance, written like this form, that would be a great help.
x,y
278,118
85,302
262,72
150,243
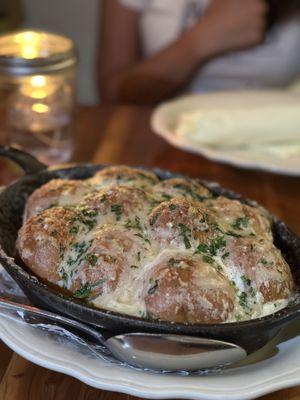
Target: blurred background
x,y
144,53
77,19
74,19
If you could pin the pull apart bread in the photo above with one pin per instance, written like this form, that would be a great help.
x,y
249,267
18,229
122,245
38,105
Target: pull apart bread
x,y
127,241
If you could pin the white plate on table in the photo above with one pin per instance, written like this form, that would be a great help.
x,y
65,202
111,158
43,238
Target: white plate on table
x,y
166,116
276,367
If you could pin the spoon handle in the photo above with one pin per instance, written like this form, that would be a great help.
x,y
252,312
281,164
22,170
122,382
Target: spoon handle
x,y
30,313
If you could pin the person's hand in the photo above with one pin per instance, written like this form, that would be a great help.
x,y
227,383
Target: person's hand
x,y
234,24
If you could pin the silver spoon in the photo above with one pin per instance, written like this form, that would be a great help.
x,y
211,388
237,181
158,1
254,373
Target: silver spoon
x,y
165,352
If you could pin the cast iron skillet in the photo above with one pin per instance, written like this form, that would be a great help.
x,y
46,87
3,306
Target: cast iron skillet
x,y
251,335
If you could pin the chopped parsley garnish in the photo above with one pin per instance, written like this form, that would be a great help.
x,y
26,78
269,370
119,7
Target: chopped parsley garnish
x,y
154,202
242,222
118,210
142,237
61,249
187,189
172,207
65,278
185,232
83,292
214,245
243,299
147,177
86,289
230,233
154,219
246,280
207,259
172,262
80,248
103,198
87,218
133,224
166,196
91,259
89,213
264,261
90,223
210,250
153,287
74,230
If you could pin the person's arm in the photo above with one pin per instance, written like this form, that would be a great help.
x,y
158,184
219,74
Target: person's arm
x,y
125,77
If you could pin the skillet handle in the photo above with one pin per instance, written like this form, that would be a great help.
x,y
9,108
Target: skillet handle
x,y
28,163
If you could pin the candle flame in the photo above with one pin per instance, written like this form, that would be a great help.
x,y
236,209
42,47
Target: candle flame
x,y
30,43
40,108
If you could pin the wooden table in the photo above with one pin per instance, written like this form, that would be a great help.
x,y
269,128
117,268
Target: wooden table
x,y
123,135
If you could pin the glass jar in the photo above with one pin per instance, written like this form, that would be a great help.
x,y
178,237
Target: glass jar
x,y
37,94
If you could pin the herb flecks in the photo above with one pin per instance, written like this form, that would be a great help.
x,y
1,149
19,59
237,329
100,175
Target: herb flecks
x,y
154,219
80,249
179,263
212,248
185,232
246,280
86,289
243,300
153,287
85,217
117,209
241,222
140,235
133,224
91,259
166,196
83,292
188,190
172,262
74,230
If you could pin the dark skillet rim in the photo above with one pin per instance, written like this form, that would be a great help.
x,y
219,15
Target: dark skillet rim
x,y
288,312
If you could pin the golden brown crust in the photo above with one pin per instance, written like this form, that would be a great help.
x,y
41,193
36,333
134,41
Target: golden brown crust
x,y
42,240
123,175
180,222
262,264
53,193
128,242
241,218
179,187
188,290
111,255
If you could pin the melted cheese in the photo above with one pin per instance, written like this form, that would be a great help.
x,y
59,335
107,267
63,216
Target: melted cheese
x,y
128,296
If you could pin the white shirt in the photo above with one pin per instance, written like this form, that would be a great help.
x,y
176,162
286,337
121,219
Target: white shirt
x,y
274,64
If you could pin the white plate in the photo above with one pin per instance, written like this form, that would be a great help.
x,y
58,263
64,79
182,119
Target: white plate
x,y
247,382
165,118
